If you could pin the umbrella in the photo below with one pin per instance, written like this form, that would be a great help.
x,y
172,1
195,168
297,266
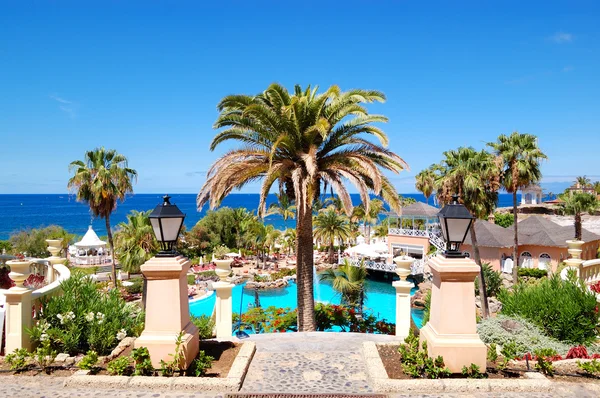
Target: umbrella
x,y
233,255
380,247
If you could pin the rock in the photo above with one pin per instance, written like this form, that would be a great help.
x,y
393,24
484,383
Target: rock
x,y
418,303
494,305
510,325
62,357
70,361
127,341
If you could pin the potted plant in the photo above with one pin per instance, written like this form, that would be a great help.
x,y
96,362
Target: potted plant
x,y
222,262
19,271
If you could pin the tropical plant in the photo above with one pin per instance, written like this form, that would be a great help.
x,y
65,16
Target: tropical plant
x,y
33,241
142,364
575,204
369,215
416,361
89,360
475,177
348,281
583,181
505,220
101,180
493,280
425,182
596,186
205,325
119,366
289,239
521,158
564,309
135,242
329,225
405,200
303,141
283,207
382,229
202,363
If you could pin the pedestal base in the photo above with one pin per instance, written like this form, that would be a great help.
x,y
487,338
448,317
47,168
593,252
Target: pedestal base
x,y
18,318
161,345
403,316
458,350
224,310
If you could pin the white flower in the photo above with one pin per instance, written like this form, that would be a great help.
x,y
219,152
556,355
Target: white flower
x,y
99,317
43,337
70,315
60,316
90,317
121,334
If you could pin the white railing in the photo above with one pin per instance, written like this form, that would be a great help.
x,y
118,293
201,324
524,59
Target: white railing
x,y
417,267
434,239
589,271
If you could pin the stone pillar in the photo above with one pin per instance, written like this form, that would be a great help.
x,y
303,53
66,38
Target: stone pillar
x,y
167,311
224,310
403,288
18,319
451,331
54,247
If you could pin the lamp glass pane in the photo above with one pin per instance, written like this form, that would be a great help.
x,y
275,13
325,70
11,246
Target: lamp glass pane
x,y
457,229
171,228
443,226
156,227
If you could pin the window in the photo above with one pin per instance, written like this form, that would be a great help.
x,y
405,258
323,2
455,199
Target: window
x,y
544,261
526,260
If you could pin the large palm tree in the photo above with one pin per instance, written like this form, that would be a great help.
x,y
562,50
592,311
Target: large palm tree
x,y
596,186
425,183
304,142
135,242
283,207
475,177
348,281
583,181
329,225
521,157
575,204
369,214
102,179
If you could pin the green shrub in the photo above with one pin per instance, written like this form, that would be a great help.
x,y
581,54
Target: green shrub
x,y
202,363
119,366
136,287
89,361
191,279
417,363
205,326
492,353
283,273
504,219
17,359
565,310
472,372
533,272
544,361
260,278
524,335
168,368
492,278
592,367
427,309
207,276
84,318
142,365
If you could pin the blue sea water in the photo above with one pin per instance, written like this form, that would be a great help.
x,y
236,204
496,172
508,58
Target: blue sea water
x,y
19,212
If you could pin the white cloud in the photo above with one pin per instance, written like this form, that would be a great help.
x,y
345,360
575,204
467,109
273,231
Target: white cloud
x,y
59,99
562,37
66,106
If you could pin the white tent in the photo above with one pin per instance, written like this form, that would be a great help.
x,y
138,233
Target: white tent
x,y
363,250
380,247
90,249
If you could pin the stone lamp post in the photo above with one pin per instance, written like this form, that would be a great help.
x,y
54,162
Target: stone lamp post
x,y
18,307
167,306
403,288
451,331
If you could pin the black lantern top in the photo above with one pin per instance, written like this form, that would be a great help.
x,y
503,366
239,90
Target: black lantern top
x,y
455,221
166,220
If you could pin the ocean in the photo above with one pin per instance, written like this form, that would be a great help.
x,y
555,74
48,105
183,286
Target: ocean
x,y
19,212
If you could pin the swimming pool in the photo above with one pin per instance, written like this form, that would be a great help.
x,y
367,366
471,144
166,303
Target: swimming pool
x,y
380,299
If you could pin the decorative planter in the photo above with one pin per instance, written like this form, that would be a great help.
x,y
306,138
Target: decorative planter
x,y
575,248
19,271
403,264
223,268
54,247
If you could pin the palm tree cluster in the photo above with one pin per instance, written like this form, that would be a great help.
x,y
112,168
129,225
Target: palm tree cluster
x,y
304,142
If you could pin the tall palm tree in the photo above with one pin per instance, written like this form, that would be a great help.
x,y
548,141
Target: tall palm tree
x,y
583,181
135,242
521,157
328,225
596,186
283,207
102,179
289,239
425,183
305,142
574,204
370,215
348,281
475,177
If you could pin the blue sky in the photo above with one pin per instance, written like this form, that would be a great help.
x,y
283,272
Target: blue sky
x,y
145,77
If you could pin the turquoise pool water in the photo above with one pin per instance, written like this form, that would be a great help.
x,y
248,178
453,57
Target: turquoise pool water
x,y
380,300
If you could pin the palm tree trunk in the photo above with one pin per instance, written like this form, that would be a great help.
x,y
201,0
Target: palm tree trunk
x,y
331,253
112,250
482,283
304,269
144,291
577,226
515,270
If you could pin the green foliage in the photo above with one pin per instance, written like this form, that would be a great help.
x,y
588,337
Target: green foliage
x,y
202,363
17,359
533,272
191,279
136,287
205,326
592,367
492,352
472,372
5,245
119,366
283,273
544,361
261,278
168,368
427,309
348,281
84,318
493,280
220,252
504,219
565,310
44,355
135,242
417,363
33,241
89,360
142,363
519,333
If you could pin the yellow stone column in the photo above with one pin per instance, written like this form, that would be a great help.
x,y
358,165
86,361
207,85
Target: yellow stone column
x,y
224,302
403,288
18,307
